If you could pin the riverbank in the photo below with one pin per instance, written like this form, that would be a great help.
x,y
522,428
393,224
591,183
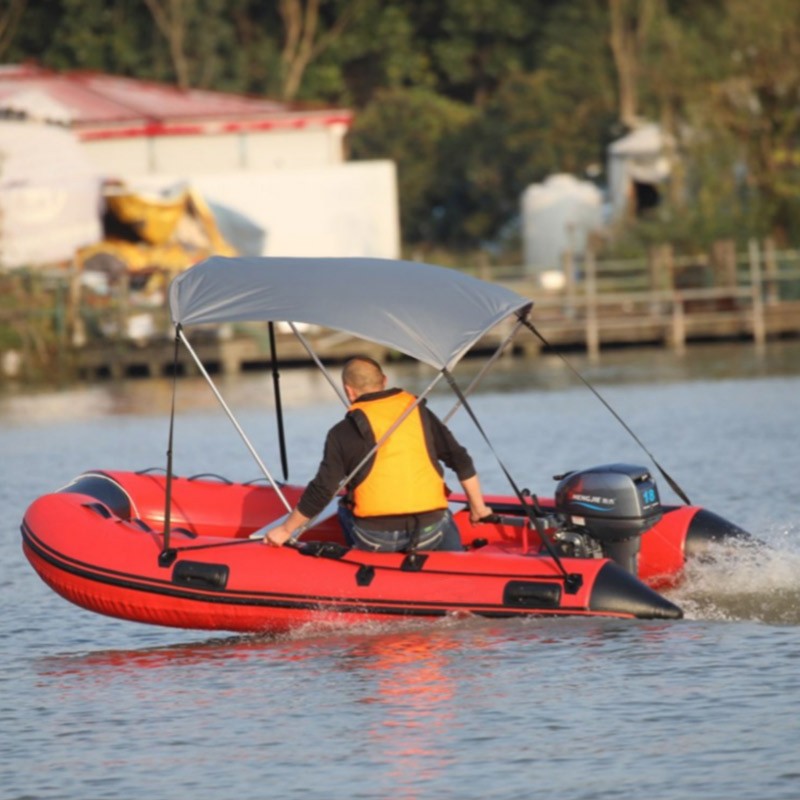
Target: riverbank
x,y
304,387
54,330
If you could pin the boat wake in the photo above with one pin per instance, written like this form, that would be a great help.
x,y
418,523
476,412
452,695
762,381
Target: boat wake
x,y
744,581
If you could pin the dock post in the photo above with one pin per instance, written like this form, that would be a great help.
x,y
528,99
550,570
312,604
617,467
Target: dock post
x,y
592,328
568,265
771,272
678,324
759,328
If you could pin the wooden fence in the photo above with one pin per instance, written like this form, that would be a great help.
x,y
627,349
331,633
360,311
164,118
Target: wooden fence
x,y
670,300
50,327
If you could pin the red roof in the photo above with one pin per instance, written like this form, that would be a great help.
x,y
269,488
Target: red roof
x,y
106,106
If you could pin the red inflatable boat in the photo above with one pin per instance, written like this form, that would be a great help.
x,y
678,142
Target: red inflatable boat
x,y
188,552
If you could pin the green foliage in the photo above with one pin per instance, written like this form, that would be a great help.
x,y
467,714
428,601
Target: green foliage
x,y
116,38
417,129
38,331
377,51
481,42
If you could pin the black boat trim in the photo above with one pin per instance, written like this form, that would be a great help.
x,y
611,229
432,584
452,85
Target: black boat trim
x,y
283,601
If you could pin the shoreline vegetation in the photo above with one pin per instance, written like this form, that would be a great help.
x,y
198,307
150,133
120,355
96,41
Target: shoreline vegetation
x,y
58,326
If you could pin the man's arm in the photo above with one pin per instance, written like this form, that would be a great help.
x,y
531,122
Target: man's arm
x,y
321,488
456,456
445,447
477,507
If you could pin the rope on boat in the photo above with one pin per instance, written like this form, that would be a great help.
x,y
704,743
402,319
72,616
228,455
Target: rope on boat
x,y
572,581
672,483
337,552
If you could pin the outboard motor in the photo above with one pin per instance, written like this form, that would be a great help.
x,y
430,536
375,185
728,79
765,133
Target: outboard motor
x,y
606,511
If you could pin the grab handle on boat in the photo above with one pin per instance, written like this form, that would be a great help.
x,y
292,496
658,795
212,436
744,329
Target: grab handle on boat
x,y
332,550
512,520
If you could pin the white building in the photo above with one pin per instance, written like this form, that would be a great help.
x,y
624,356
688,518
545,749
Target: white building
x,y
49,195
282,167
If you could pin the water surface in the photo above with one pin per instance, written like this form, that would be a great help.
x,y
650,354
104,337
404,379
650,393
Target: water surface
x,y
707,707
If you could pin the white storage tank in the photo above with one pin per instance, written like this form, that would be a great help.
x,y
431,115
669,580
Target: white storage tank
x,y
557,216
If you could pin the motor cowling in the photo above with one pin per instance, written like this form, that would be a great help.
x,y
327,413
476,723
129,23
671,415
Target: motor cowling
x,y
614,504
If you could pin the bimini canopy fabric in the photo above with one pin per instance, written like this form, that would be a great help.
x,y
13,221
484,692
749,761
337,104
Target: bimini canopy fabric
x,y
432,314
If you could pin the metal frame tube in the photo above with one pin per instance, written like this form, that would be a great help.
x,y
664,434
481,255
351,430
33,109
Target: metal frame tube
x,y
479,377
233,419
324,371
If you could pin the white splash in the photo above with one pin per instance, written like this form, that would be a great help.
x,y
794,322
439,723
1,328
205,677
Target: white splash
x,y
738,581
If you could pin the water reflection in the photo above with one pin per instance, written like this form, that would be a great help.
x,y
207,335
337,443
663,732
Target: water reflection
x,y
299,388
415,689
306,386
466,708
404,681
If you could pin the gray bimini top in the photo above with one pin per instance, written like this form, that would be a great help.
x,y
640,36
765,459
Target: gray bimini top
x,y
433,314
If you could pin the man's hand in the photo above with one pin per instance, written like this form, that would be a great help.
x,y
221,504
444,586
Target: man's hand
x,y
277,537
281,534
479,512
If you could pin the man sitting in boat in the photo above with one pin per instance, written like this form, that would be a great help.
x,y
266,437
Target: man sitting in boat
x,y
397,500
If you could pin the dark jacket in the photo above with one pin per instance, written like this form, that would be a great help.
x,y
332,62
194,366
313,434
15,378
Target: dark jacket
x,y
349,441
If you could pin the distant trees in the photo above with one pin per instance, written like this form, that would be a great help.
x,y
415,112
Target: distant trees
x,y
475,99
421,131
10,16
755,106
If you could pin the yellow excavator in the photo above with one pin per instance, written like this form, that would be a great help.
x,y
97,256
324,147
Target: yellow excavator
x,y
151,238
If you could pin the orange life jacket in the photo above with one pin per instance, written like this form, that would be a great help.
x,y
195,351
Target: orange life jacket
x,y
403,478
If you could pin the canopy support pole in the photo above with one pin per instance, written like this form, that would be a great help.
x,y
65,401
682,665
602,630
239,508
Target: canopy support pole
x,y
233,419
276,386
321,366
479,377
667,477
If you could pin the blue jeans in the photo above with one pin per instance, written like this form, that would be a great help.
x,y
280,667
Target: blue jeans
x,y
441,535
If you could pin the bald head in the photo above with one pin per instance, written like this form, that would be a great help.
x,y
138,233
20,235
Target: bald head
x,y
362,375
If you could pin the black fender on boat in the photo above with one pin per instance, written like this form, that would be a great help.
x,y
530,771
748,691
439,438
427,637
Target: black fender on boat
x,y
707,529
615,590
104,489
